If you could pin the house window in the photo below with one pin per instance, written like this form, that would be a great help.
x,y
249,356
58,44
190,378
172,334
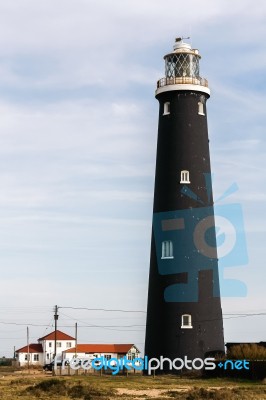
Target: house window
x,y
166,108
50,344
167,249
186,321
200,108
184,178
129,357
47,356
58,344
26,357
35,357
108,357
68,344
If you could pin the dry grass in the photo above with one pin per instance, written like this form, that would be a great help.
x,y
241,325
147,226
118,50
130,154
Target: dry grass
x,y
134,387
247,352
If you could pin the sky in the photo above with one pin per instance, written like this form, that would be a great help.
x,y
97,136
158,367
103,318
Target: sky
x,y
78,131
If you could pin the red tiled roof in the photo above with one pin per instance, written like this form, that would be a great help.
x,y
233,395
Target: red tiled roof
x,y
59,336
101,348
33,348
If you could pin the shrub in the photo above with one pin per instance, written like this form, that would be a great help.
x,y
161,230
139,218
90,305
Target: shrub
x,y
51,386
218,394
247,351
89,392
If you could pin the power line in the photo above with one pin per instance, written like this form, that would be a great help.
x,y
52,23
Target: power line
x,y
18,324
233,316
104,309
229,316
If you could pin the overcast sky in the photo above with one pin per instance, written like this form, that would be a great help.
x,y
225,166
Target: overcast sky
x,y
78,130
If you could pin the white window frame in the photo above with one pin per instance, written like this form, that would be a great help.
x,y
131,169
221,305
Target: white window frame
x,y
68,344
184,176
188,318
35,357
166,108
167,250
201,108
58,344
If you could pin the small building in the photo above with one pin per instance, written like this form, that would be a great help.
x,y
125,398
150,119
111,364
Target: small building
x,y
130,351
32,354
43,352
63,342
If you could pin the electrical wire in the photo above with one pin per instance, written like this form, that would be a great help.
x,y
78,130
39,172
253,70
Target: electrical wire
x,y
103,309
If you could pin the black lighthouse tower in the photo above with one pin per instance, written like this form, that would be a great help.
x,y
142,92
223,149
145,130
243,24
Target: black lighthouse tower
x,y
184,316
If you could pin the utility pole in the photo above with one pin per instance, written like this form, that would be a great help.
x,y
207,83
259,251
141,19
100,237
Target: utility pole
x,y
28,349
55,328
76,338
55,333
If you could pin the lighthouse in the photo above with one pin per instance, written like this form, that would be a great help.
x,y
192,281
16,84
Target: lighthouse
x,y
184,315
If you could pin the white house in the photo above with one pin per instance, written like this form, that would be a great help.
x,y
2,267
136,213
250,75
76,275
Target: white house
x,y
63,342
33,352
106,350
42,352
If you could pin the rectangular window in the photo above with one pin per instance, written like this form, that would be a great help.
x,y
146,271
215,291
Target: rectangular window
x,y
184,178
26,357
186,321
108,357
200,108
167,249
68,344
50,344
58,344
166,108
35,357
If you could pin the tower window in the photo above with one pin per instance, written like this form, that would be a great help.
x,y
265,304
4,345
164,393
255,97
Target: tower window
x,y
167,249
184,178
166,108
186,321
200,108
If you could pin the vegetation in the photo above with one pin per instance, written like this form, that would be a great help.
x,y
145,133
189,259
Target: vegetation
x,y
59,387
219,394
133,387
247,352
